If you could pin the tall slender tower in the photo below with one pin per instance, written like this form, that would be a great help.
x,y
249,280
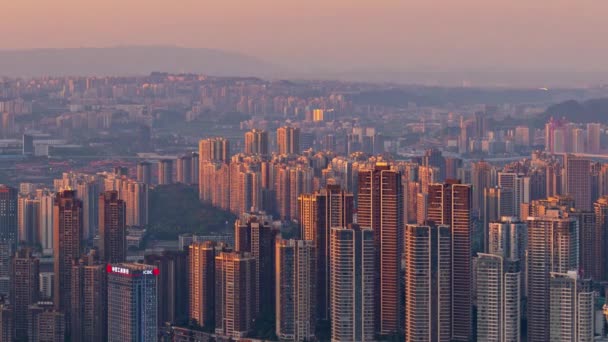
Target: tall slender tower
x,y
450,204
8,215
112,228
67,248
552,247
593,137
24,289
47,200
590,241
256,142
481,177
319,212
352,284
578,180
380,207
428,283
202,281
600,207
29,219
165,171
7,331
261,240
173,299
184,169
144,172
6,251
288,140
235,292
295,294
89,300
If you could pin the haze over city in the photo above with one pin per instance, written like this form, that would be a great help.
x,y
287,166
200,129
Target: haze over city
x,y
317,37
303,171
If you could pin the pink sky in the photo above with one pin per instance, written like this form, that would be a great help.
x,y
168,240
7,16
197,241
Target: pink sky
x,y
346,33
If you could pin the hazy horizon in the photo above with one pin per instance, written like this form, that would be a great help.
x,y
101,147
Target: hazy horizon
x,y
336,35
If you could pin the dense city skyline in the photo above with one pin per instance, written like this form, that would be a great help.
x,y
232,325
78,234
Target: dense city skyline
x,y
317,171
328,224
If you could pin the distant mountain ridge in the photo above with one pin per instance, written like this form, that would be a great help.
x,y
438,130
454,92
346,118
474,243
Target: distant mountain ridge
x,y
593,110
130,60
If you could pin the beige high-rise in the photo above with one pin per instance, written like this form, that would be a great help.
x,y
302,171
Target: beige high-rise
x,y
428,283
295,290
352,284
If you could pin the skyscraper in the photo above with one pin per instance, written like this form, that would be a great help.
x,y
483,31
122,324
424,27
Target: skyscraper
x,y
8,214
481,124
112,228
6,251
261,237
195,167
135,195
29,219
600,208
590,241
24,289
450,204
144,172
508,238
67,238
481,176
132,302
288,140
165,171
256,142
87,191
7,330
319,212
571,309
522,136
434,158
520,188
295,290
172,277
428,283
89,300
201,279
235,294
578,179
184,169
214,149
498,298
47,201
498,202
593,138
46,323
380,207
352,283
552,247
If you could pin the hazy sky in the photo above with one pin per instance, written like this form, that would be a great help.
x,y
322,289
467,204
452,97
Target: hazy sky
x,y
387,34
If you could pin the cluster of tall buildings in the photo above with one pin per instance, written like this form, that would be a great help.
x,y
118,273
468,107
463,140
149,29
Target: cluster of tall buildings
x,y
404,249
96,295
73,302
325,247
565,137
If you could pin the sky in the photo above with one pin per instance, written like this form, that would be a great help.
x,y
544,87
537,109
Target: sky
x,y
568,35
